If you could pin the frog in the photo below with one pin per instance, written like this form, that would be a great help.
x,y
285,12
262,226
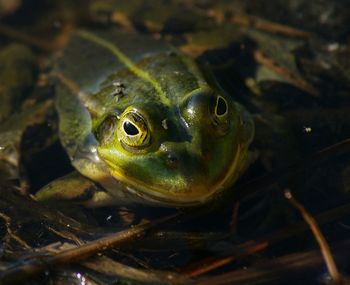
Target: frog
x,y
146,124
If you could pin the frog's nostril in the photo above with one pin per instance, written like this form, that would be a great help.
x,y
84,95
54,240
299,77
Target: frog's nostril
x,y
170,155
172,160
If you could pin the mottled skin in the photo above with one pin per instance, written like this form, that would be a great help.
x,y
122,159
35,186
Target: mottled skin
x,y
143,121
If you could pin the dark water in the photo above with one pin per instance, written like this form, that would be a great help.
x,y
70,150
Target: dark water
x,y
287,62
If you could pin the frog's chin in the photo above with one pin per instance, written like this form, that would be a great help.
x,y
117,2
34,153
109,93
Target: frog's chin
x,y
180,198
191,194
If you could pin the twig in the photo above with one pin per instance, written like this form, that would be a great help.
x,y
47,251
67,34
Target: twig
x,y
66,235
234,217
249,21
10,234
268,26
115,269
326,252
212,263
292,78
20,272
290,267
251,247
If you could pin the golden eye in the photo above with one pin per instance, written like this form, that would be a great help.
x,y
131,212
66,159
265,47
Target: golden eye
x,y
133,130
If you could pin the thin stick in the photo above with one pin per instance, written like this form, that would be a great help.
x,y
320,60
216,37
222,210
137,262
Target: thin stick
x,y
234,217
251,247
326,252
292,78
214,263
268,26
10,234
292,268
116,269
20,272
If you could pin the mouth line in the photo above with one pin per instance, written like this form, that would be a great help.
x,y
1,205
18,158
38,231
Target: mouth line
x,y
172,198
159,194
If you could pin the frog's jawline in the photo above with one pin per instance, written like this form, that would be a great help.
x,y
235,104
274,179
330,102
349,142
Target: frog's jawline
x,y
89,164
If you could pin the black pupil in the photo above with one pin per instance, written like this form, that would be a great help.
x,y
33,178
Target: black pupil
x,y
130,128
221,107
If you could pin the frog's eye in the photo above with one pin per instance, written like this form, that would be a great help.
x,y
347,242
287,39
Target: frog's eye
x,y
133,130
221,107
220,110
130,129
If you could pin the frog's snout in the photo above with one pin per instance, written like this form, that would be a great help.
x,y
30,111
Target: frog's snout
x,y
182,157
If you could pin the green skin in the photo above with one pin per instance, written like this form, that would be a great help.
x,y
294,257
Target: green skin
x,y
191,139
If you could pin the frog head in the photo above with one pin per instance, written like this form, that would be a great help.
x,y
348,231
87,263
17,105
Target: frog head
x,y
153,121
180,154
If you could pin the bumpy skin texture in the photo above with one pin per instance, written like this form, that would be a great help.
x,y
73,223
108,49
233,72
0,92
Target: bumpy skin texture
x,y
140,119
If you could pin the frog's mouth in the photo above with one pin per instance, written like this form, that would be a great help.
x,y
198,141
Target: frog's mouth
x,y
197,193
